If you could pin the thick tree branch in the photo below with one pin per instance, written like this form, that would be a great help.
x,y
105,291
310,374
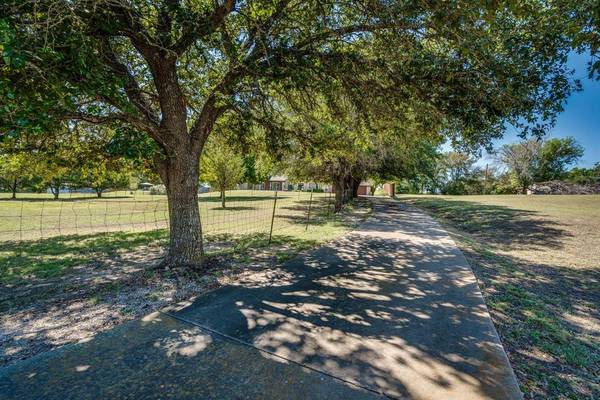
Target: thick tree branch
x,y
117,117
132,90
210,110
203,26
343,31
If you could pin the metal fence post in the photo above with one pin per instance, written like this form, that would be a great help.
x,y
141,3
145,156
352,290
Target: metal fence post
x,y
273,217
42,220
309,207
21,223
60,218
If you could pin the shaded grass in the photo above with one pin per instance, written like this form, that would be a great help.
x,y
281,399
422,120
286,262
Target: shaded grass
x,y
534,261
285,246
58,290
22,262
52,257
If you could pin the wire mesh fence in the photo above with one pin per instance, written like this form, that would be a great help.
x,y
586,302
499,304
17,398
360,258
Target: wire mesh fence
x,y
34,217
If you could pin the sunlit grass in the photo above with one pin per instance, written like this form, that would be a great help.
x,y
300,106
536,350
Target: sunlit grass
x,y
37,216
244,225
49,258
537,260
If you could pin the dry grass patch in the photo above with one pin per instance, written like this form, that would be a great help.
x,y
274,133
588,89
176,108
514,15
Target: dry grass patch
x,y
537,260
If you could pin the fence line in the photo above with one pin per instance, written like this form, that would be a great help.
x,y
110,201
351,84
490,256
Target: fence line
x,y
246,212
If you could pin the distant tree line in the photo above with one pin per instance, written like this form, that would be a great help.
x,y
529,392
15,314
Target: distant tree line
x,y
81,158
515,168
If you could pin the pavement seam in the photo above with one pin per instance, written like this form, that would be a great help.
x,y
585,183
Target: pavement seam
x,y
271,353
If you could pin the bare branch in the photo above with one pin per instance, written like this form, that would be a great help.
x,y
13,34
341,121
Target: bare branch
x,y
140,124
210,110
343,31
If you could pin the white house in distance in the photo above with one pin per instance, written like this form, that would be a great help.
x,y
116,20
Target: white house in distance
x,y
281,183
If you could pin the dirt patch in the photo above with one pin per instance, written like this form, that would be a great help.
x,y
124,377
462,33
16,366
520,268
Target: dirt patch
x,y
93,298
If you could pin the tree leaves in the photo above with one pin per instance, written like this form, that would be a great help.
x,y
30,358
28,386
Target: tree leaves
x,y
462,69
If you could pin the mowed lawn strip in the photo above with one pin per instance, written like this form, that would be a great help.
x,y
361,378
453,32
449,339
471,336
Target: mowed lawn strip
x,y
537,261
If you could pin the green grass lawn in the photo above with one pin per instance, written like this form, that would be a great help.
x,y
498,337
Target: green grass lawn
x,y
38,216
54,236
537,261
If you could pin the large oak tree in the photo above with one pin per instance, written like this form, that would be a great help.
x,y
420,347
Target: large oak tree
x,y
173,68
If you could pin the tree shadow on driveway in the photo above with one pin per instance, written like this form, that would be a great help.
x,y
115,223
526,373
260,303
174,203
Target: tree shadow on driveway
x,y
392,307
400,314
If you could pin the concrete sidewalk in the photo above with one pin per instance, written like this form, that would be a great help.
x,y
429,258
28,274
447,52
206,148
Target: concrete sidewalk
x,y
391,310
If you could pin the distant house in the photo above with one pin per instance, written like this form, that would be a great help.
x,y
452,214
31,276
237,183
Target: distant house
x,y
277,182
390,189
281,182
364,189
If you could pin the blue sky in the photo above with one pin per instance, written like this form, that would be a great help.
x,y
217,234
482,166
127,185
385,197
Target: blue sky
x,y
580,119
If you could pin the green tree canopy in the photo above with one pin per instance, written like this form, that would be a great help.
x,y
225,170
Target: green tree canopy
x,y
584,176
172,69
522,159
222,167
101,173
14,169
555,156
535,160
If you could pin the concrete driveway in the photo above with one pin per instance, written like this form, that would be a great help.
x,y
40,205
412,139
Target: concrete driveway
x,y
390,311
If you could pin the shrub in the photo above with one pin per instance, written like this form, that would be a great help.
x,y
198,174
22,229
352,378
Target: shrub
x,y
158,189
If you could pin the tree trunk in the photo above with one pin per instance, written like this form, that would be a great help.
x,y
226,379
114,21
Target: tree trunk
x,y
343,186
55,189
348,192
338,187
180,176
14,189
222,198
355,186
99,193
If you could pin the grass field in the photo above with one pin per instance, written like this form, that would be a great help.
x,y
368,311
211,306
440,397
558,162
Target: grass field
x,y
38,216
537,260
42,238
